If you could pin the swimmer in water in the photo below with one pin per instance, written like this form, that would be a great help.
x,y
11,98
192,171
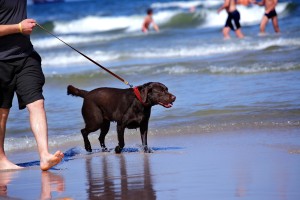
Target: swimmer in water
x,y
148,20
233,15
270,13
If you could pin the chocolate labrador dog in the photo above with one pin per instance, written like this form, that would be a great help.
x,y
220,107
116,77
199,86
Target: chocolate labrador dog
x,y
130,108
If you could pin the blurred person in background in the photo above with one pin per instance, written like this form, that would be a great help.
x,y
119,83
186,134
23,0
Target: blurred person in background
x,y
233,16
270,13
149,20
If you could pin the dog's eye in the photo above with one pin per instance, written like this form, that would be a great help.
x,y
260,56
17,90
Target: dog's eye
x,y
157,90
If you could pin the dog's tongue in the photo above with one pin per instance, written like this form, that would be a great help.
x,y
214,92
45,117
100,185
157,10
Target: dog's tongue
x,y
166,105
169,105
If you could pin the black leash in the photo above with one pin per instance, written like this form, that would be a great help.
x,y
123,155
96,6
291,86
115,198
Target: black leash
x,y
115,75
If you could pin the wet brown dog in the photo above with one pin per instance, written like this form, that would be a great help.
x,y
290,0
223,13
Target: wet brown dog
x,y
130,108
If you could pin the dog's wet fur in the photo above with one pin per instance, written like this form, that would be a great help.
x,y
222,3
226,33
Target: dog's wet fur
x,y
104,105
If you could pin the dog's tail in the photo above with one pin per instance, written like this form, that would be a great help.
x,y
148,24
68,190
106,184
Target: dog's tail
x,y
76,92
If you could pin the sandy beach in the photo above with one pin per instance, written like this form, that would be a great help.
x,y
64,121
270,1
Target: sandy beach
x,y
235,164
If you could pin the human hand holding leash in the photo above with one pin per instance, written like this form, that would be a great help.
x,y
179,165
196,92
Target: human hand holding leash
x,y
26,26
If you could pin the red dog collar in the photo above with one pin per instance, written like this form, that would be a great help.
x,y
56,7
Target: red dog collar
x,y
138,95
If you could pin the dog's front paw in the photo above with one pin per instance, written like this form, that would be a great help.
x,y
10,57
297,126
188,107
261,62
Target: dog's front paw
x,y
105,149
147,149
88,149
118,149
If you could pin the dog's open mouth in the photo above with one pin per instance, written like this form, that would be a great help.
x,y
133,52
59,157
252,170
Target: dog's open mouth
x,y
168,105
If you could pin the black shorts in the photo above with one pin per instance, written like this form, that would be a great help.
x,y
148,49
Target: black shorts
x,y
23,76
233,17
271,14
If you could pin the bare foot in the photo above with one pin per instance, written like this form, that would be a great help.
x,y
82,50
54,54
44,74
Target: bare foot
x,y
51,160
7,165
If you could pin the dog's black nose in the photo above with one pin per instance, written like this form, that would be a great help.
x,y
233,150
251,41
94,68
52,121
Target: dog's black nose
x,y
173,98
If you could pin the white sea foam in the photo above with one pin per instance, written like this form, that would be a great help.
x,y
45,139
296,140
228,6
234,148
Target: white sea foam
x,y
252,69
50,42
92,24
63,59
73,58
21,143
211,49
236,69
187,4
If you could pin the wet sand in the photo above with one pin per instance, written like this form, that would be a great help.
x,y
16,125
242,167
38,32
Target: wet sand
x,y
236,164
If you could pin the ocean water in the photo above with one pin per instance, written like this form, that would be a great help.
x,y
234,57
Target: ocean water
x,y
220,84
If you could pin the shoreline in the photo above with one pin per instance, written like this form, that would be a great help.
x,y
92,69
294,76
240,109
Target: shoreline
x,y
258,163
157,128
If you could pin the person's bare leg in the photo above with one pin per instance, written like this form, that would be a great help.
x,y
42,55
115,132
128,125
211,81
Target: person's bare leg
x,y
226,31
275,24
239,33
263,24
5,164
38,123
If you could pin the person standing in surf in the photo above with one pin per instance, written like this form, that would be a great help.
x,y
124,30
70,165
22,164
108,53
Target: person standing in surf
x,y
233,15
21,72
149,20
270,13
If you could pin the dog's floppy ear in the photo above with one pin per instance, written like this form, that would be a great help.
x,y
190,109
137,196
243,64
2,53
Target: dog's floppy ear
x,y
145,90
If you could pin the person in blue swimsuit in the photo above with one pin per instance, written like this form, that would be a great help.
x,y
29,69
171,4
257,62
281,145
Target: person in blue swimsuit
x,y
233,19
270,13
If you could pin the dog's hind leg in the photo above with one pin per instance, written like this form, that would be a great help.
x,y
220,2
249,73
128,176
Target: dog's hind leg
x,y
87,144
120,130
93,121
104,130
85,132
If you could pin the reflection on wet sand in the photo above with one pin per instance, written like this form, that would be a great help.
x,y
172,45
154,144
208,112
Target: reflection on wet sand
x,y
125,180
5,178
50,182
